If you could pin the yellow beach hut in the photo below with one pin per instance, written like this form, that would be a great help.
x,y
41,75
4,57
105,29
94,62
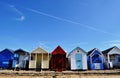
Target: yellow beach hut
x,y
39,59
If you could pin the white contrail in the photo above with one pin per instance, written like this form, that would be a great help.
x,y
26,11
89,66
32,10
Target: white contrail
x,y
70,21
13,8
22,17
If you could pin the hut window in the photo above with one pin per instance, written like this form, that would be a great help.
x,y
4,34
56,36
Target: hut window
x,y
78,60
96,59
112,58
5,62
16,57
77,50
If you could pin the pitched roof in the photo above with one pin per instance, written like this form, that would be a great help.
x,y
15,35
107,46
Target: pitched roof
x,y
92,51
58,50
75,49
20,51
10,50
108,50
39,51
7,54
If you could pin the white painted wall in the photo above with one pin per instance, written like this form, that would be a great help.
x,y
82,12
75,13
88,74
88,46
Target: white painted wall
x,y
115,50
22,60
71,59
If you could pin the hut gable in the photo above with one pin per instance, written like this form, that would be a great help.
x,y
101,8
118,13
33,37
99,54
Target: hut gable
x,y
39,51
94,51
112,50
8,53
21,52
58,50
106,51
76,50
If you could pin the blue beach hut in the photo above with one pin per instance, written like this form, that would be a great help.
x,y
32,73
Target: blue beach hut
x,y
95,59
6,57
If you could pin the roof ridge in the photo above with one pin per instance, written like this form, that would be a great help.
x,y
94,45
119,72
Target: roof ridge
x,y
77,48
39,49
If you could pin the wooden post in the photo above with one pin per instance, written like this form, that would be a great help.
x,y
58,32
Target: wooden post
x,y
108,56
48,61
42,62
36,60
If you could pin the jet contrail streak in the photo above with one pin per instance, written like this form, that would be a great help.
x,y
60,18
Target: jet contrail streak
x,y
70,21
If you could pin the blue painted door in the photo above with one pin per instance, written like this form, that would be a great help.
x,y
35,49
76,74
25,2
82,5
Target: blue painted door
x,y
78,58
118,57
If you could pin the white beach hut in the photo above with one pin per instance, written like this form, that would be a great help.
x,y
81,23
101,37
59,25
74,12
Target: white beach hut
x,y
112,57
77,59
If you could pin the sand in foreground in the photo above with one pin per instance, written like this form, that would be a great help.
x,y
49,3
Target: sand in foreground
x,y
64,76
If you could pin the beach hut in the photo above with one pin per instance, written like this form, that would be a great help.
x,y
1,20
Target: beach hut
x,y
6,57
39,59
21,59
112,57
58,60
77,59
95,59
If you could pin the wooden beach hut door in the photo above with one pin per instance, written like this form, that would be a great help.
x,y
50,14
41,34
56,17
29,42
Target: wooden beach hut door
x,y
78,58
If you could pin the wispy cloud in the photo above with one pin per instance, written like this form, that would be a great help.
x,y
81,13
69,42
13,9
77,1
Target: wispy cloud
x,y
112,43
70,21
22,17
16,10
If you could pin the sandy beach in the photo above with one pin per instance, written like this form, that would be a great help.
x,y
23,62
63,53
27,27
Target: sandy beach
x,y
64,74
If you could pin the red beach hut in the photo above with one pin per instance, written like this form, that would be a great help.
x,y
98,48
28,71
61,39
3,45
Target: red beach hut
x,y
58,60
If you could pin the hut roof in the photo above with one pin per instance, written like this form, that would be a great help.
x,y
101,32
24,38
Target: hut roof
x,y
10,50
7,54
39,51
75,49
92,51
59,50
21,51
108,50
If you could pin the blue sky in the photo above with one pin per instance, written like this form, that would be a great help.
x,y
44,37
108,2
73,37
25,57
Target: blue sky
x,y
89,24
